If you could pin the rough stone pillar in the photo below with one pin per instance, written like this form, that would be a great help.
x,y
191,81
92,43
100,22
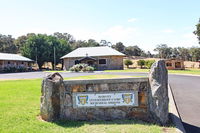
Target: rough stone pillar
x,y
50,99
158,94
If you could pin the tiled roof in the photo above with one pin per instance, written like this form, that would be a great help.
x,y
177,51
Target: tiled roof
x,y
7,56
93,51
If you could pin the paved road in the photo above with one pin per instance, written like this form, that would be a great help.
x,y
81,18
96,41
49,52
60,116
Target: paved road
x,y
32,75
186,90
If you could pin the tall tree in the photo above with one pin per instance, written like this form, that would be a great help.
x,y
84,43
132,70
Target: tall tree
x,y
197,31
58,47
195,53
119,47
36,47
7,44
65,36
184,53
133,51
163,51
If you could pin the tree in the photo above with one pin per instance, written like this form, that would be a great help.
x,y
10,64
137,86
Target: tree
x,y
61,48
195,53
119,47
20,41
128,62
149,63
36,48
105,43
184,53
7,44
163,51
197,31
64,36
133,51
141,63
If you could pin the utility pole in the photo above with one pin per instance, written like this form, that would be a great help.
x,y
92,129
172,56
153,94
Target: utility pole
x,y
54,56
36,56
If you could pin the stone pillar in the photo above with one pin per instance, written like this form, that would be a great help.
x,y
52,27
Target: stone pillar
x,y
50,99
158,93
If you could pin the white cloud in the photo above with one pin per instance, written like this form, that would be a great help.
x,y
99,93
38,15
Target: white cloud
x,y
132,20
168,31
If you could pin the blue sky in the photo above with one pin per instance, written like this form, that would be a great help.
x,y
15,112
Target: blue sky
x,y
134,22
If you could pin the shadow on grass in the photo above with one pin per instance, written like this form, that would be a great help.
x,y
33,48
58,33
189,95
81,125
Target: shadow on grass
x,y
68,124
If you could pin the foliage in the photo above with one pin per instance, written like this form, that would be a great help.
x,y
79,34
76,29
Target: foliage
x,y
163,51
13,69
81,67
40,48
119,47
197,31
148,63
7,44
141,63
128,62
133,51
195,52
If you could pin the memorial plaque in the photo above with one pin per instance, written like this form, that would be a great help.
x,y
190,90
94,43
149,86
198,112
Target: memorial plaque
x,y
105,99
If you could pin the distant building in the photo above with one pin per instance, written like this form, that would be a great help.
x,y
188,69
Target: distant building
x,y
7,60
174,64
171,64
102,58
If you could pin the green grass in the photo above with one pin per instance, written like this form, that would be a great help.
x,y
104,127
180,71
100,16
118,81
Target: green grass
x,y
20,107
129,70
186,71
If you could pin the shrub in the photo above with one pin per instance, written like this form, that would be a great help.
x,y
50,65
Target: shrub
x,y
141,63
81,67
149,63
12,69
128,62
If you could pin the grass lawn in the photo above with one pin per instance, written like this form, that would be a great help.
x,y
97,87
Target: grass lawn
x,y
186,71
20,106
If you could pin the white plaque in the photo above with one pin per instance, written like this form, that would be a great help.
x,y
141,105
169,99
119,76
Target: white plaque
x,y
105,99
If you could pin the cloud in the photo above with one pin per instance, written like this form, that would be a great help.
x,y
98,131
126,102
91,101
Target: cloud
x,y
132,20
168,31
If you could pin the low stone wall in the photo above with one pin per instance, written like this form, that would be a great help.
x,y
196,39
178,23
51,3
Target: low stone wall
x,y
139,85
58,100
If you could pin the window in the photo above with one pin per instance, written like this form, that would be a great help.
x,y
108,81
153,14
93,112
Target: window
x,y
76,62
177,65
168,64
102,61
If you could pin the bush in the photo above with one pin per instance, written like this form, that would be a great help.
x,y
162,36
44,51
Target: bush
x,y
81,67
12,69
149,63
141,63
128,62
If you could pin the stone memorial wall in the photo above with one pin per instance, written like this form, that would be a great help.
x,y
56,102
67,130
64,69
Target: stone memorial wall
x,y
107,99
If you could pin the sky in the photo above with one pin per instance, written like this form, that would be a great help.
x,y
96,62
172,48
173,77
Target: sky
x,y
145,23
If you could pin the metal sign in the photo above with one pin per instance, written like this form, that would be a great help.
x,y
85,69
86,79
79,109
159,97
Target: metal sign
x,y
105,99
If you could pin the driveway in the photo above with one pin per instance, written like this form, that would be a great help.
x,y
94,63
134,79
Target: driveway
x,y
186,90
